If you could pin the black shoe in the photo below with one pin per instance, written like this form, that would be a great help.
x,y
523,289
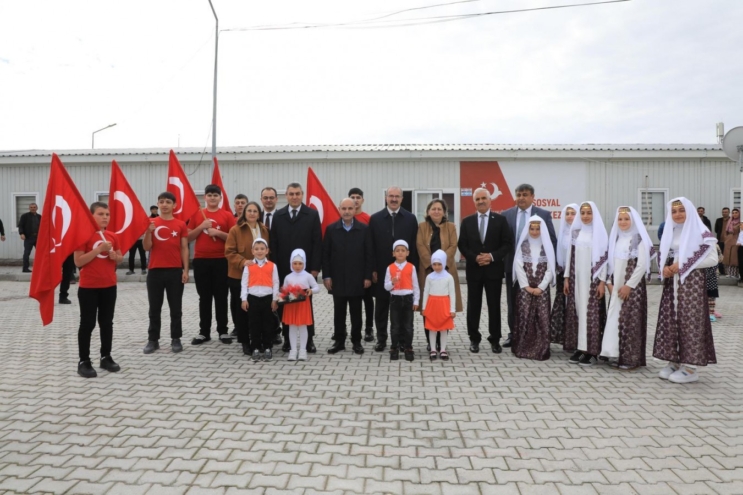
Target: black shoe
x,y
152,346
575,358
358,348
380,346
587,360
26,271
409,355
233,334
311,349
200,339
247,350
225,338
474,348
394,354
497,349
175,345
286,347
369,336
278,340
108,364
256,355
85,369
64,300
130,272
268,355
507,343
337,347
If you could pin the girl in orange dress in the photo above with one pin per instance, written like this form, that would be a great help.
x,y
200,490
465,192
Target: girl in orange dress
x,y
299,314
439,303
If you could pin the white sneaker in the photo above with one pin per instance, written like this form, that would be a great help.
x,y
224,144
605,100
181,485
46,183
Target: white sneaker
x,y
666,372
684,375
303,355
292,355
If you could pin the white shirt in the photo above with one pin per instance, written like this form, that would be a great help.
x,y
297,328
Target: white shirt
x,y
259,290
403,292
392,212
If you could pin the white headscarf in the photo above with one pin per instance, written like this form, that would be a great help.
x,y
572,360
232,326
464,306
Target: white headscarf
x,y
535,247
400,242
298,254
438,257
600,242
563,237
695,240
637,227
262,241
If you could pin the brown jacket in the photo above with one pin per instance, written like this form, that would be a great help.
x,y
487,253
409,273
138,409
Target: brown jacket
x,y
448,244
730,253
239,247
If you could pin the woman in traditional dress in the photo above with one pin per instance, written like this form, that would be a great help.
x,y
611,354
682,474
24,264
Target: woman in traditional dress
x,y
628,265
730,235
683,336
557,318
586,270
534,270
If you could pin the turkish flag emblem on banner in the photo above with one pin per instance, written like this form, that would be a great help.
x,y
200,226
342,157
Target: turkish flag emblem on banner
x,y
319,199
187,204
128,218
66,224
217,181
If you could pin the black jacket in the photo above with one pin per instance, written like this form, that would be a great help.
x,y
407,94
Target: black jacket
x,y
706,222
304,232
720,225
498,242
380,229
26,224
347,258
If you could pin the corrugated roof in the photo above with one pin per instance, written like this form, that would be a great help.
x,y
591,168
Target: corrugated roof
x,y
226,150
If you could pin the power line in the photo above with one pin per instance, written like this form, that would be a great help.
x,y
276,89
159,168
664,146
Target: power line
x,y
381,24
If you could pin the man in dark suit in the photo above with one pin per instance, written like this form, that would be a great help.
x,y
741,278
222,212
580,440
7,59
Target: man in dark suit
x,y
386,226
518,218
485,241
347,272
704,218
720,226
296,226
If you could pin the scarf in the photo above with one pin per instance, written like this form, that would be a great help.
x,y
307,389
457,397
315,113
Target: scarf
x,y
636,228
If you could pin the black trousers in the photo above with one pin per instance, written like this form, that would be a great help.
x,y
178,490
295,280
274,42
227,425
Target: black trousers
x,y
165,281
28,244
369,309
511,291
382,316
721,266
474,308
96,304
401,321
133,255
239,317
262,322
340,303
68,268
210,275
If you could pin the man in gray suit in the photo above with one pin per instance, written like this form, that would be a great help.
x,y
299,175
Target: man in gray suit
x,y
518,219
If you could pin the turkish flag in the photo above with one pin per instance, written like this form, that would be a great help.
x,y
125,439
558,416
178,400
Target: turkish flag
x,y
128,218
187,204
319,199
217,181
66,224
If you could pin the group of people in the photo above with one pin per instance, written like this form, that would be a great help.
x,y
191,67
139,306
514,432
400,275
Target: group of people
x,y
263,264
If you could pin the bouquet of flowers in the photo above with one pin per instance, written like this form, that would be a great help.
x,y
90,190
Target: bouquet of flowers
x,y
291,294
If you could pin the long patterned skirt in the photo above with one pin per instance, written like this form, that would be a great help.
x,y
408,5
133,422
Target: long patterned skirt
x,y
633,322
531,340
557,316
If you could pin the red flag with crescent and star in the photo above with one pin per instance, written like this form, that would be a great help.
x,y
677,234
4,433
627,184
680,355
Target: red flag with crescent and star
x,y
186,201
66,224
486,175
129,219
319,199
217,181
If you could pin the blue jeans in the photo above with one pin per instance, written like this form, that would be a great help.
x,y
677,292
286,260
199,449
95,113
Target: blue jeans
x,y
28,244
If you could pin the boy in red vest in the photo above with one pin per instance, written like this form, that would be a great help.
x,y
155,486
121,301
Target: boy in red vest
x,y
402,282
260,291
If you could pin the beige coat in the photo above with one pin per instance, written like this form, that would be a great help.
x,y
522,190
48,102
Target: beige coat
x,y
239,247
730,254
448,244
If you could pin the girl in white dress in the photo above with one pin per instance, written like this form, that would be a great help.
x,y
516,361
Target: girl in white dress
x,y
439,303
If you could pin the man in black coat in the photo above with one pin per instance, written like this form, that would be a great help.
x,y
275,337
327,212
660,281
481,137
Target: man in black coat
x,y
347,272
485,241
296,226
28,228
386,226
720,226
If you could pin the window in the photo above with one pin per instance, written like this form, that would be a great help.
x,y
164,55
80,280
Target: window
x,y
652,206
102,196
735,194
280,199
21,202
200,197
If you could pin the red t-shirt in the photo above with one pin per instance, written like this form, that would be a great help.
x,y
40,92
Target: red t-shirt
x,y
204,246
100,272
166,243
363,217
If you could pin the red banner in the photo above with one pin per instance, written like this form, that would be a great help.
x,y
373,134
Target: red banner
x,y
129,219
66,224
217,181
319,199
487,175
186,201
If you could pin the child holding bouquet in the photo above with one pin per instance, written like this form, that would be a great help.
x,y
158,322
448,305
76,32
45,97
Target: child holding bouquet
x,y
298,314
439,303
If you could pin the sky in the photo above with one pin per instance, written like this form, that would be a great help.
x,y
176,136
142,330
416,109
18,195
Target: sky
x,y
642,71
